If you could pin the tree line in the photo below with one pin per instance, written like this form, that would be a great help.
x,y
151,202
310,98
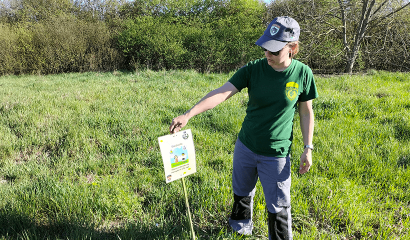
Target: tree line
x,y
55,36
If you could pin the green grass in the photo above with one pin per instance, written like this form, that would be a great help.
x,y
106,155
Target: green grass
x,y
79,158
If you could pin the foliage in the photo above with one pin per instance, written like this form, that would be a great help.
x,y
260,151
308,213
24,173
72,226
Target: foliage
x,y
54,36
177,40
152,42
80,158
9,60
59,44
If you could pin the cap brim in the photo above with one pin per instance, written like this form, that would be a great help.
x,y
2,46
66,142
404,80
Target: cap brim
x,y
269,44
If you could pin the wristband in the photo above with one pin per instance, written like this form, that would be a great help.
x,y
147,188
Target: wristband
x,y
308,146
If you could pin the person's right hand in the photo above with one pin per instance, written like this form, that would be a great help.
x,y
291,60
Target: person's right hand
x,y
178,123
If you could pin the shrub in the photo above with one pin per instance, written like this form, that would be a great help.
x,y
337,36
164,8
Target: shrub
x,y
8,50
151,42
59,44
70,45
218,44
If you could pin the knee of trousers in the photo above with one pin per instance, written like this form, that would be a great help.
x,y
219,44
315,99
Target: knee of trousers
x,y
278,225
242,208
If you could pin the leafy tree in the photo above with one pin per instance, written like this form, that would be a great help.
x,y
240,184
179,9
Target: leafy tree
x,y
37,10
98,10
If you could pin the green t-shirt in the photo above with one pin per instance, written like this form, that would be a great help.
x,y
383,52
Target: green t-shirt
x,y
268,125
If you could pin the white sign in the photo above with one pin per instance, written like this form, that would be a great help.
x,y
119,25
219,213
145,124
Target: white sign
x,y
178,155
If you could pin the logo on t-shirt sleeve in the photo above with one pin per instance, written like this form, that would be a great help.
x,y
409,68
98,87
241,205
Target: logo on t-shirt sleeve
x,y
292,90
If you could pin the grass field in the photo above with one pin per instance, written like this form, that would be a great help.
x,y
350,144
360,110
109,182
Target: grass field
x,y
80,158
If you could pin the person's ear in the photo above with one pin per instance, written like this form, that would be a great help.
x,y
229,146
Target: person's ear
x,y
293,47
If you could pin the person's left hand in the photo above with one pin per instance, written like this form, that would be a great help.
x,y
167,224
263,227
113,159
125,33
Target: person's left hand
x,y
305,161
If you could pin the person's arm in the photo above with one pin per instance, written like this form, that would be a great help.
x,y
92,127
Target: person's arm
x,y
211,100
306,125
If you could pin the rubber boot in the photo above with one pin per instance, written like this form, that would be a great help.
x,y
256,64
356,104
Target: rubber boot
x,y
278,225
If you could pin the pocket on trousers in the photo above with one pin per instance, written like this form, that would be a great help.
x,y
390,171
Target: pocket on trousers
x,y
283,193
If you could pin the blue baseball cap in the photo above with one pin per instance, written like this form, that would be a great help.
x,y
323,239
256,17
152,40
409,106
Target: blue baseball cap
x,y
279,32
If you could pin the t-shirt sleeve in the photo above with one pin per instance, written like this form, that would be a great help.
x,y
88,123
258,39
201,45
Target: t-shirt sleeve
x,y
309,89
240,78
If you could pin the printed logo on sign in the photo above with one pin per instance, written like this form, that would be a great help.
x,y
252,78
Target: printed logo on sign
x,y
274,29
185,136
292,90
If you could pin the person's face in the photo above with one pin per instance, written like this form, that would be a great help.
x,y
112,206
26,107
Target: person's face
x,y
279,54
278,58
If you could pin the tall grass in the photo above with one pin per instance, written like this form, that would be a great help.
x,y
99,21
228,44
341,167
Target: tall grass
x,y
80,158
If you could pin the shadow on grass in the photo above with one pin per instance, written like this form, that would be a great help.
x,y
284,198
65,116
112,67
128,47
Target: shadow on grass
x,y
17,226
404,161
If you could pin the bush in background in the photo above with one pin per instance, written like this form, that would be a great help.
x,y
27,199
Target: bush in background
x,y
221,43
8,50
54,36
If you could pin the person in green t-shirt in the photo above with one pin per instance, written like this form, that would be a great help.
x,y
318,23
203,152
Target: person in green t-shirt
x,y
278,85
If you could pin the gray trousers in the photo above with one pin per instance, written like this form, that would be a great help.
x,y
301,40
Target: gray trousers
x,y
274,174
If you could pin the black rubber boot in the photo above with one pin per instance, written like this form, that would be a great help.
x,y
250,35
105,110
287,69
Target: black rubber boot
x,y
241,208
278,225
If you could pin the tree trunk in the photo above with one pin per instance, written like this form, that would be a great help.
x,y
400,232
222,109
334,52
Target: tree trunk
x,y
351,56
367,16
350,61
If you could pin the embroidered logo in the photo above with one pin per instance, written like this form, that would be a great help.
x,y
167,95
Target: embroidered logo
x,y
274,29
292,90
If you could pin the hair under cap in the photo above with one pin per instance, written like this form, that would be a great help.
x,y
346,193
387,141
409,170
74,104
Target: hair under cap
x,y
279,32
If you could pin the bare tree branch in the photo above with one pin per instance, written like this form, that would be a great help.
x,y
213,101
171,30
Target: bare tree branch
x,y
343,13
380,7
393,12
